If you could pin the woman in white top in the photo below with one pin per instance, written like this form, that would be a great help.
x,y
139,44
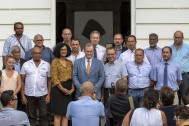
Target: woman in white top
x,y
10,79
148,115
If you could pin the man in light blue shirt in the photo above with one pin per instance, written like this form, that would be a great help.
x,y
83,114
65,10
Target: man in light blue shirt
x,y
153,53
86,111
172,74
17,39
114,70
47,54
9,116
181,57
139,76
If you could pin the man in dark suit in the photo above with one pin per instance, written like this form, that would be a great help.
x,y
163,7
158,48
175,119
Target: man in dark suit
x,y
88,69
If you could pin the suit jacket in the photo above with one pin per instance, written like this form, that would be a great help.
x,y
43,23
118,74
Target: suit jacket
x,y
96,75
22,61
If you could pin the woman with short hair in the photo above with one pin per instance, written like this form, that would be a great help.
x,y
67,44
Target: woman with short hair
x,y
167,99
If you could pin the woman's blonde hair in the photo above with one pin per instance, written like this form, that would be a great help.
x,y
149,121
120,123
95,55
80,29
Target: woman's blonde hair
x,y
9,56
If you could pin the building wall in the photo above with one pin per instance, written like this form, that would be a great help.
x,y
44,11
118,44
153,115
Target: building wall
x,y
163,17
38,17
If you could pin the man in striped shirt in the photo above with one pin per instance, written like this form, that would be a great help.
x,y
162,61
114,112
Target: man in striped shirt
x,y
17,39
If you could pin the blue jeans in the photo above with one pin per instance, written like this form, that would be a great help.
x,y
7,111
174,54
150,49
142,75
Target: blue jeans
x,y
138,94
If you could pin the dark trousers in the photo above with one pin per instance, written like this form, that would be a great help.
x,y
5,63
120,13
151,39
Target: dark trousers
x,y
183,87
20,106
106,95
33,104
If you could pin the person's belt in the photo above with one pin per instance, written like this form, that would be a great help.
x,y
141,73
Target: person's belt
x,y
139,89
185,73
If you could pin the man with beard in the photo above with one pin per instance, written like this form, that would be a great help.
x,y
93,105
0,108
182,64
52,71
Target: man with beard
x,y
168,73
17,39
153,53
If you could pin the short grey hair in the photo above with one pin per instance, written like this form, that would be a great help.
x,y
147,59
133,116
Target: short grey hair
x,y
15,47
95,32
154,35
89,45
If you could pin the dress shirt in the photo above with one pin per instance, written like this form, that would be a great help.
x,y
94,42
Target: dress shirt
x,y
114,72
12,40
139,76
173,75
17,66
85,112
153,56
86,62
12,117
129,56
118,51
79,55
47,55
101,53
181,56
36,78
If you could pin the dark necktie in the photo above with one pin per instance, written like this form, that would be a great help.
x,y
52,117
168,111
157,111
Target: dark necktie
x,y
95,54
165,75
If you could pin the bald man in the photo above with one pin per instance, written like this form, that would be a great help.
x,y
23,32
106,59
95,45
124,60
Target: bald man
x,y
180,55
36,87
67,35
47,54
86,111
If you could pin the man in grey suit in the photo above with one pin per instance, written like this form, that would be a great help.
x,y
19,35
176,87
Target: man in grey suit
x,y
88,69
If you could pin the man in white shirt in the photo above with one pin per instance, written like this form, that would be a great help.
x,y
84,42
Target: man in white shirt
x,y
100,51
35,77
76,54
128,55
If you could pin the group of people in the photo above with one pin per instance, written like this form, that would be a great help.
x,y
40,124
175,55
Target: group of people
x,y
78,83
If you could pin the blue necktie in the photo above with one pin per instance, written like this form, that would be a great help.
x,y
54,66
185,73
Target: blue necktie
x,y
165,75
95,54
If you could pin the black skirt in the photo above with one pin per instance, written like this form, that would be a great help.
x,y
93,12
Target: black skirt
x,y
60,101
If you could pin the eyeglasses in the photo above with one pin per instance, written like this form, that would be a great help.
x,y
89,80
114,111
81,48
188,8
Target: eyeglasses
x,y
38,40
15,99
67,34
63,50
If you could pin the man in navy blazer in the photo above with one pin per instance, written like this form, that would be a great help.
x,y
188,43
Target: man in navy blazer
x,y
90,69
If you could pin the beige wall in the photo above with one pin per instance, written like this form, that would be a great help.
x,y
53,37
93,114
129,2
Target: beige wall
x,y
38,17
163,17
